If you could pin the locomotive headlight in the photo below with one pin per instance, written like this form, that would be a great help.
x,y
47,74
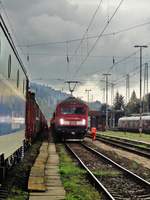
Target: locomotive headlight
x,y
61,121
83,122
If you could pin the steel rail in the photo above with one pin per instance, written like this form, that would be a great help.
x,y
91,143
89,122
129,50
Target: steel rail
x,y
136,142
125,145
128,172
97,183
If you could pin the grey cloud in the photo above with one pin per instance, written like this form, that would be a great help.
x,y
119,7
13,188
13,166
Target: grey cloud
x,y
37,21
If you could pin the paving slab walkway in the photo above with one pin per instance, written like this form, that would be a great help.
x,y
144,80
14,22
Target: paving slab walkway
x,y
54,189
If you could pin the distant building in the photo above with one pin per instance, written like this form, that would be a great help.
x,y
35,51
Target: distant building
x,y
97,119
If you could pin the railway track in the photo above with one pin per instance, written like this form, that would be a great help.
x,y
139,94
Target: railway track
x,y
116,182
128,146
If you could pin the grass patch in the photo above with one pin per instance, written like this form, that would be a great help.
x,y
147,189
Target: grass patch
x,y
128,135
106,173
142,145
74,179
135,165
17,179
17,194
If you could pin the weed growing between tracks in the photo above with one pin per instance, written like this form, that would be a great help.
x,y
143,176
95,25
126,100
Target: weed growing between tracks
x,y
132,165
105,173
18,177
74,179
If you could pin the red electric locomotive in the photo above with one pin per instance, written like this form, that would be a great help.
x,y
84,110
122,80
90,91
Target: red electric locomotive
x,y
70,121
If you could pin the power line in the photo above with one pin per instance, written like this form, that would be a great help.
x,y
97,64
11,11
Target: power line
x,y
89,37
90,23
5,12
120,61
57,55
117,63
132,73
13,34
88,94
100,35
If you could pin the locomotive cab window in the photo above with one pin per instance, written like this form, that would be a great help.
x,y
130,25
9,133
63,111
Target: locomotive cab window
x,y
73,110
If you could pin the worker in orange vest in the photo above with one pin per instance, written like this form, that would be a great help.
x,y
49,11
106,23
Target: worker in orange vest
x,y
93,132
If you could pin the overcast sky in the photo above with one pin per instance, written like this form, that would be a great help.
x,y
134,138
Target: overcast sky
x,y
37,24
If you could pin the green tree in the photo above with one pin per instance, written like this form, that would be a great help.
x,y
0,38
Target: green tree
x,y
103,107
146,103
118,102
133,105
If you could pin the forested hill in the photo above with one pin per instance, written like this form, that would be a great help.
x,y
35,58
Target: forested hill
x,y
47,98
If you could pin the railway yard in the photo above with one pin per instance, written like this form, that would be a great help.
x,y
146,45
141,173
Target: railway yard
x,y
60,170
74,100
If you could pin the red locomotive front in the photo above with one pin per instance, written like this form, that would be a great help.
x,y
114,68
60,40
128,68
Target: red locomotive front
x,y
71,119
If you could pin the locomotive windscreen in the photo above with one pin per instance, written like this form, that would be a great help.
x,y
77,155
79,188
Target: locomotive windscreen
x,y
73,110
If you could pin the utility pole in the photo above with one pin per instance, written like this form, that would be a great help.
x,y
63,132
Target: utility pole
x,y
103,94
88,94
68,60
147,87
106,76
92,98
145,92
141,48
87,42
127,88
112,93
112,100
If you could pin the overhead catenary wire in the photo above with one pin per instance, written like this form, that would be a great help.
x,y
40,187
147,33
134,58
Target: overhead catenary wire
x,y
89,37
127,58
117,63
73,40
12,30
87,29
120,32
100,35
120,61
8,20
132,73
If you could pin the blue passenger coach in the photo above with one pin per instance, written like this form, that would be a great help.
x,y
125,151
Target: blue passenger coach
x,y
13,85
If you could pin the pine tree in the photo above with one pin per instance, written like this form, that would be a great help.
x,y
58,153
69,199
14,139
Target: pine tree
x,y
134,104
118,102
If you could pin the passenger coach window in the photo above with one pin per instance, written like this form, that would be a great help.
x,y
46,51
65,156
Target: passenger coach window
x,y
23,86
9,66
17,78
